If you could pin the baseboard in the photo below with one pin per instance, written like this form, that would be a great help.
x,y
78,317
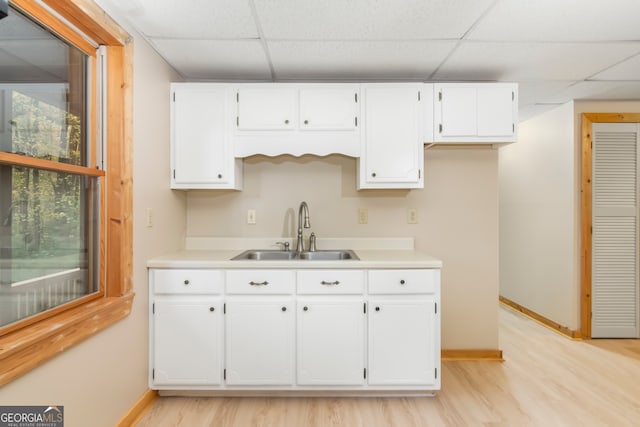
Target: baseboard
x,y
472,354
563,330
138,409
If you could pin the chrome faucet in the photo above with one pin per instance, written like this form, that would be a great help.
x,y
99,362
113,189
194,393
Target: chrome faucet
x,y
307,224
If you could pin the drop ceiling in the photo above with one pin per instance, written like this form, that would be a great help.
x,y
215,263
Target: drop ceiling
x,y
557,50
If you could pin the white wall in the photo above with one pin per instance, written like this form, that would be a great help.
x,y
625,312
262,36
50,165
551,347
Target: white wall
x,y
540,211
457,221
537,223
100,379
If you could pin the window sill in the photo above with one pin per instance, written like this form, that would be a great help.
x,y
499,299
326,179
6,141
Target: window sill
x,y
26,348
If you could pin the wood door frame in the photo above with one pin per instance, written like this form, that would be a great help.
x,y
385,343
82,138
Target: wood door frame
x,y
586,208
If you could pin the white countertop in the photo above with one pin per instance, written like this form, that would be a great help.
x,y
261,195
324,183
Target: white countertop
x,y
373,254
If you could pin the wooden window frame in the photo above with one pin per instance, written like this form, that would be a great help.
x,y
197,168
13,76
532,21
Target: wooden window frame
x,y
29,344
586,206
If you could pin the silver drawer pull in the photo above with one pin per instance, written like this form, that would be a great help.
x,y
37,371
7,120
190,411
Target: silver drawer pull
x,y
324,282
252,283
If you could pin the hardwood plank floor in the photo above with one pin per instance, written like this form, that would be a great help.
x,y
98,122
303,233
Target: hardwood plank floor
x,y
546,380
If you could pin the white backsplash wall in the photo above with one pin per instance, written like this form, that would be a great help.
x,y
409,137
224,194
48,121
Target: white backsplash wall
x,y
457,221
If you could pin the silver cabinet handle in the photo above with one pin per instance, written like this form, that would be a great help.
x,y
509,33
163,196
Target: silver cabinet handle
x,y
324,282
252,283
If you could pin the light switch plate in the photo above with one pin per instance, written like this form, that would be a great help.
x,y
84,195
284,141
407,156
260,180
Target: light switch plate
x,y
251,216
149,218
363,216
412,216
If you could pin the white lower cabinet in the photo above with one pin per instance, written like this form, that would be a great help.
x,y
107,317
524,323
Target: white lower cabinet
x,y
259,341
400,351
187,341
331,341
185,328
324,329
404,328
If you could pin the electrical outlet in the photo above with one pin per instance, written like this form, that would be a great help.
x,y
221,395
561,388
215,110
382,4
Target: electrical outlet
x,y
363,216
251,216
149,218
412,216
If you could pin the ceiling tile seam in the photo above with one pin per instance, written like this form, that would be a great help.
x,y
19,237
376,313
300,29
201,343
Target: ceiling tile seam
x,y
353,40
591,77
263,41
466,33
551,42
444,61
475,23
198,39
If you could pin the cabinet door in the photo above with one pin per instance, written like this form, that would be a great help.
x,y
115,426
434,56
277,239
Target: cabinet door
x,y
392,150
403,342
200,152
329,108
495,110
187,341
475,112
266,108
331,342
259,341
458,107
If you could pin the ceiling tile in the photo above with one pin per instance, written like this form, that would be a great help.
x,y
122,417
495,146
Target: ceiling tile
x,y
566,20
367,19
216,59
528,111
532,61
357,60
205,19
626,70
596,90
532,92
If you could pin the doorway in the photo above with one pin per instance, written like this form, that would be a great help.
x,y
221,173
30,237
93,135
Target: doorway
x,y
610,303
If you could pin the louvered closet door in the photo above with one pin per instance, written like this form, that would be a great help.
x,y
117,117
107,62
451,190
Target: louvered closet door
x,y
615,231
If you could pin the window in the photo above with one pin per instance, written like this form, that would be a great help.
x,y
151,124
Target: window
x,y
48,218
65,230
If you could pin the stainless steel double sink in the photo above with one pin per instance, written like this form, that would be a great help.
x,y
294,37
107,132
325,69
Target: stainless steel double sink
x,y
279,255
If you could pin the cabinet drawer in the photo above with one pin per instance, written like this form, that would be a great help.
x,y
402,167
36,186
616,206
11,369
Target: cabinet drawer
x,y
186,281
260,282
404,281
330,282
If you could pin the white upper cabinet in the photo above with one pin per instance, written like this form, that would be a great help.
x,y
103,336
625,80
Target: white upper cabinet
x,y
201,153
475,112
329,108
384,125
393,140
266,108
289,118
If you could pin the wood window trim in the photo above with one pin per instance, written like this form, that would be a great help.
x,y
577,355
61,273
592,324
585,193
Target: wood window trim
x,y
586,199
25,348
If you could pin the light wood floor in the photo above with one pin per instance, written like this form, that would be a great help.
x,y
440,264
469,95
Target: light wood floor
x,y
546,380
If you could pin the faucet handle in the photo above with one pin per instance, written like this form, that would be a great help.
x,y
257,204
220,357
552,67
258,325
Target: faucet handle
x,y
312,242
285,245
